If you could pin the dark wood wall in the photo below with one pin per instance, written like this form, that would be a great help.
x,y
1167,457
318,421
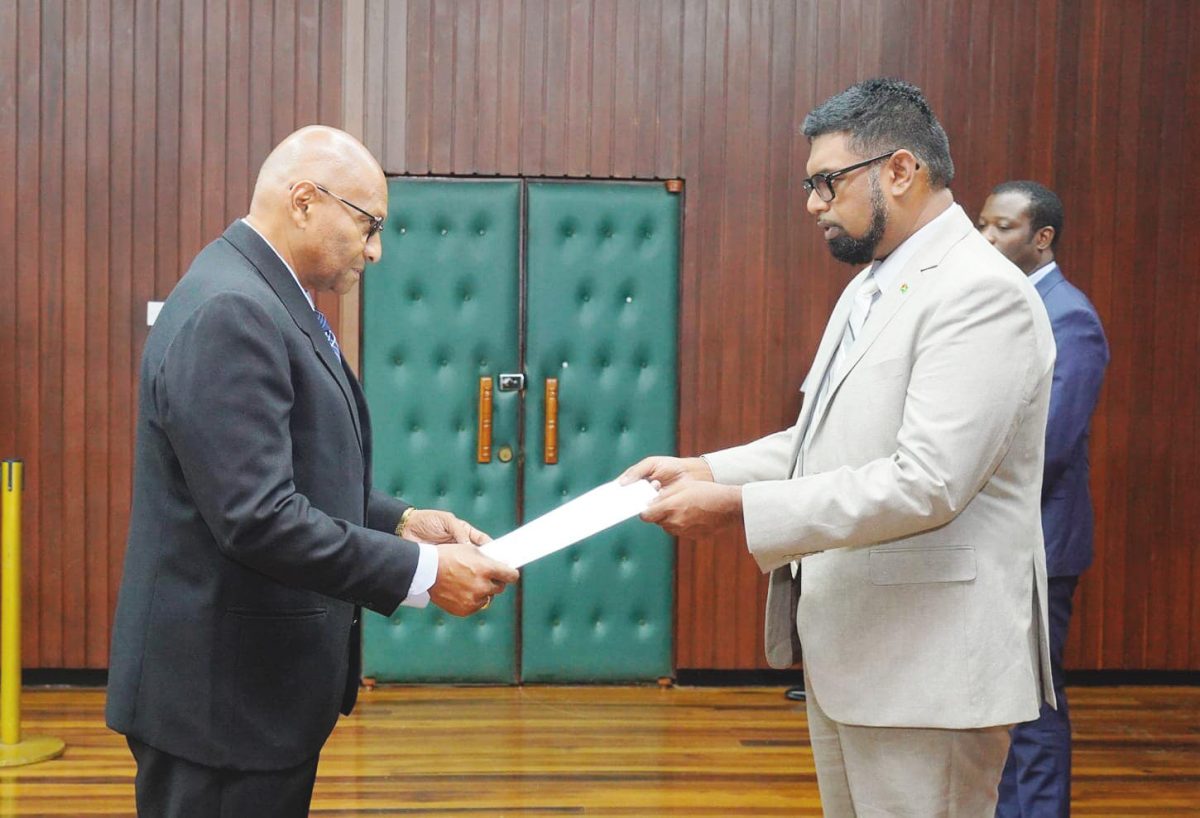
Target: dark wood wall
x,y
130,135
124,145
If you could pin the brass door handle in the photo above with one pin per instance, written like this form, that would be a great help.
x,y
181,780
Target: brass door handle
x,y
551,429
483,451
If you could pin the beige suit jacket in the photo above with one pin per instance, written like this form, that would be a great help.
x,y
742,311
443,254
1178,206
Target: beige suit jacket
x,y
915,507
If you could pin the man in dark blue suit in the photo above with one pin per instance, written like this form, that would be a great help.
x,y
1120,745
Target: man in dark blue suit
x,y
255,534
1023,220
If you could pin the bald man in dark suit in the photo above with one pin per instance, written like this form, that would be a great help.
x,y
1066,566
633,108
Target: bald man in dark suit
x,y
255,536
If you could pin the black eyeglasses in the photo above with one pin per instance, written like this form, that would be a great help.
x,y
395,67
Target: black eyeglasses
x,y
376,221
822,183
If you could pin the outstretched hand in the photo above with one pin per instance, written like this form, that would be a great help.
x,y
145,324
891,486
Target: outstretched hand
x,y
433,526
667,470
689,508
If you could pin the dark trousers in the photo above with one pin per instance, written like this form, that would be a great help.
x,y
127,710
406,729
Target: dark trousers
x,y
1037,776
171,787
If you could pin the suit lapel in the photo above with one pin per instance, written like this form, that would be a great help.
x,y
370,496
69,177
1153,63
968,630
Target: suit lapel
x,y
1049,281
821,363
264,259
900,293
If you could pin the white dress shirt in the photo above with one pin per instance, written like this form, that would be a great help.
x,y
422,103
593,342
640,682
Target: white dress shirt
x,y
1041,272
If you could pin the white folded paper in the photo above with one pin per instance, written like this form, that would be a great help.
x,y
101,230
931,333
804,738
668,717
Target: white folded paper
x,y
588,514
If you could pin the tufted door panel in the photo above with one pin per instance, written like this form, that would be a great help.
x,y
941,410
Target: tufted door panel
x,y
602,272
439,312
585,274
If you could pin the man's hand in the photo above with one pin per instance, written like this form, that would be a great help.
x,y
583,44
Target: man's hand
x,y
467,580
689,508
432,526
667,470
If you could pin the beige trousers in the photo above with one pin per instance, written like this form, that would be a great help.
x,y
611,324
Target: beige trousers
x,y
873,772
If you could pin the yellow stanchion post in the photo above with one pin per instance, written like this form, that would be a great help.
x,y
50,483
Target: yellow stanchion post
x,y
14,751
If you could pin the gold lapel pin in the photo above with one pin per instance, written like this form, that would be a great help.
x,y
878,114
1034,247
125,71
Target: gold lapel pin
x,y
903,289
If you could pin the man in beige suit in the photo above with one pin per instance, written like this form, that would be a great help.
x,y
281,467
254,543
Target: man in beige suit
x,y
908,491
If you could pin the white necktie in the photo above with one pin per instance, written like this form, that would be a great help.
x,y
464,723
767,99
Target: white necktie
x,y
867,293
859,310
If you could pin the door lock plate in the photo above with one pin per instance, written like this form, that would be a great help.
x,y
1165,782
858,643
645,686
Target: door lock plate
x,y
512,381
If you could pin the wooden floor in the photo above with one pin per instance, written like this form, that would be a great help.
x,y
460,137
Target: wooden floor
x,y
604,751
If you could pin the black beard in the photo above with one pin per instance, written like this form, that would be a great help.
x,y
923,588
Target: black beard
x,y
861,250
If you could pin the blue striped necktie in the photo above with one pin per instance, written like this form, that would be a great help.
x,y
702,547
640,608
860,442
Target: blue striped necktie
x,y
329,336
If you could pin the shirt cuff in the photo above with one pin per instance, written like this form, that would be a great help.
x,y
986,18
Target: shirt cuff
x,y
423,577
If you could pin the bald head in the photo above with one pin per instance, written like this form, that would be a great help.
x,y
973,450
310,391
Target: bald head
x,y
318,153
316,193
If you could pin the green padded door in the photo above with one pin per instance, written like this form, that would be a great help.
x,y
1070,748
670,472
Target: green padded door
x,y
442,309
602,271
439,312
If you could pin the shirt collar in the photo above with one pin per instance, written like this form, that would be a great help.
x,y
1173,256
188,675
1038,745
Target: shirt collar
x,y
887,270
1041,272
295,278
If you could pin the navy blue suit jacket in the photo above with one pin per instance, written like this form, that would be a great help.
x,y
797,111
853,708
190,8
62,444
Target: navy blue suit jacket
x,y
1078,373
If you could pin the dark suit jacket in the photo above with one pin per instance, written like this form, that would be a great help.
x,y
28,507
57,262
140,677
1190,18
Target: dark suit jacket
x,y
1078,374
254,531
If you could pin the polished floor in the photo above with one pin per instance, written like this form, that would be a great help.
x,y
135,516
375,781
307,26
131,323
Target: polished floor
x,y
603,751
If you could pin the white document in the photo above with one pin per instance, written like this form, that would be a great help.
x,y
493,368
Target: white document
x,y
589,514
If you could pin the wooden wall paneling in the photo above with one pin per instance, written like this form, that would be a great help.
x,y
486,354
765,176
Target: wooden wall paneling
x,y
76,612
96,183
393,84
1129,379
133,129
645,142
668,106
1079,66
120,262
191,118
167,263
283,71
50,333
508,141
532,86
601,109
216,76
750,86
488,87
1104,68
624,123
261,81
1158,227
120,158
240,168
442,88
1038,153
556,73
579,42
308,62
8,229
1189,472
691,600
782,59
376,112
418,77
330,48
718,598
28,161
